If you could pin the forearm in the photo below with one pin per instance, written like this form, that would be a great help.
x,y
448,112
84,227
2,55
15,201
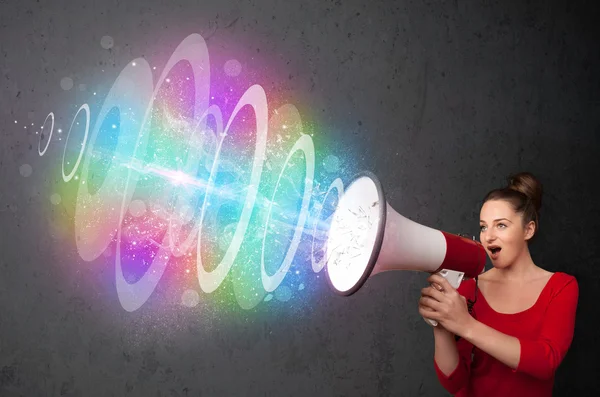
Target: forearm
x,y
446,353
504,348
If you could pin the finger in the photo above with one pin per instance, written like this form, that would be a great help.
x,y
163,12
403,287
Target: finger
x,y
437,279
428,314
433,293
430,303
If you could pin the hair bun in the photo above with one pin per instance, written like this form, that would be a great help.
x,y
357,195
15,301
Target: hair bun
x,y
527,184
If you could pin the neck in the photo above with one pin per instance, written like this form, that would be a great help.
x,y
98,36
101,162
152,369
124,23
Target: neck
x,y
520,269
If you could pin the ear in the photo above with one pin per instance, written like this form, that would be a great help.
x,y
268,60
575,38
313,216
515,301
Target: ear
x,y
529,230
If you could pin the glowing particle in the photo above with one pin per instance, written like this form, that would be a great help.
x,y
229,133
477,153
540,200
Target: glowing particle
x,y
25,170
190,298
55,199
66,83
137,208
331,163
283,293
107,42
232,68
300,287
268,297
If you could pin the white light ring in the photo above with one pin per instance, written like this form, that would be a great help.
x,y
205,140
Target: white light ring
x,y
271,282
42,152
318,266
133,80
67,178
192,49
181,249
255,96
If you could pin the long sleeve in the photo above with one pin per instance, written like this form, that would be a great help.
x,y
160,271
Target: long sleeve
x,y
460,376
540,357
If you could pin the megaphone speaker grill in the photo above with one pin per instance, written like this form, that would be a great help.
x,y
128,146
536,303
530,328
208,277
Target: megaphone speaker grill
x,y
356,234
367,236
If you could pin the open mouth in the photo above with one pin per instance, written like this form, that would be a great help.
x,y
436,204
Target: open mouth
x,y
494,250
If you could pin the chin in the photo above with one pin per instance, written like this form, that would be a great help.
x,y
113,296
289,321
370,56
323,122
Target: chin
x,y
500,264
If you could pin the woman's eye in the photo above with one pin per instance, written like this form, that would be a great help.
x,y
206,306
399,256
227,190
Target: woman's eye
x,y
501,224
481,228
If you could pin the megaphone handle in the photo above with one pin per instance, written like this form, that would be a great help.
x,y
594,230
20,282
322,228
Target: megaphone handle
x,y
454,278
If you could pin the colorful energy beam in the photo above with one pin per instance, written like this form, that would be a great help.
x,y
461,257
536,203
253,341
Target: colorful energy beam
x,y
173,185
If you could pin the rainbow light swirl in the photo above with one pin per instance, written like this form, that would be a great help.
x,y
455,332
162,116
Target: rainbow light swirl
x,y
179,193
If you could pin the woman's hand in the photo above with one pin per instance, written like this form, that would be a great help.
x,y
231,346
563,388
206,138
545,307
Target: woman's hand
x,y
442,303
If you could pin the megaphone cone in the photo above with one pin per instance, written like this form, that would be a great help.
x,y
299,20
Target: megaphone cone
x,y
367,236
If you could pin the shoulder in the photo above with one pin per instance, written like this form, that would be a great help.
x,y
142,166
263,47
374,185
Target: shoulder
x,y
562,279
563,285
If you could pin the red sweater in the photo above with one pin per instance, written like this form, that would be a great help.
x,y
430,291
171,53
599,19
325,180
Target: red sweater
x,y
545,332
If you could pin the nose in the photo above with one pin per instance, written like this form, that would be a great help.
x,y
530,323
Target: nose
x,y
489,236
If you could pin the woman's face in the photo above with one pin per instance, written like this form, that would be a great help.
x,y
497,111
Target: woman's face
x,y
502,232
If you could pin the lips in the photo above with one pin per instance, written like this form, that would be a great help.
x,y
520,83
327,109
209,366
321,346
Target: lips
x,y
494,251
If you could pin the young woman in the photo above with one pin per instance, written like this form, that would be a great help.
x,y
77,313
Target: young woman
x,y
506,332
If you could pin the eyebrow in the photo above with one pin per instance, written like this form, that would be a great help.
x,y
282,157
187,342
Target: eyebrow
x,y
496,220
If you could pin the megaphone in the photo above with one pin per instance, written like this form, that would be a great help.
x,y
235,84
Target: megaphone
x,y
367,236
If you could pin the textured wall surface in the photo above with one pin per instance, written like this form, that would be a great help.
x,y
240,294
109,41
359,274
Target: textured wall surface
x,y
441,99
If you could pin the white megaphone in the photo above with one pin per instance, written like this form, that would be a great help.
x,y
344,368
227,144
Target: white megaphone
x,y
367,236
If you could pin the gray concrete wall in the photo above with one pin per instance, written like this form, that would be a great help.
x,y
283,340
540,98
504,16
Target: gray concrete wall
x,y
442,100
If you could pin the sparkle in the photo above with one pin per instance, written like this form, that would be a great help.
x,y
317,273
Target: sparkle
x,y
191,183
